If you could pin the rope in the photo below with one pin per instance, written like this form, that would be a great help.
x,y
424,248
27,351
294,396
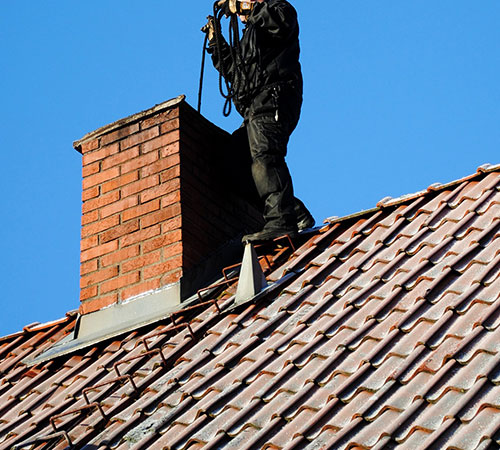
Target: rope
x,y
227,88
203,58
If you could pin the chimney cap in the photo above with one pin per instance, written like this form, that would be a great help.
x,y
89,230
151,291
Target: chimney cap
x,y
128,120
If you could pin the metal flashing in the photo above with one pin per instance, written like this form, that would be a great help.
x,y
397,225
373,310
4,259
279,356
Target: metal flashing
x,y
144,309
252,279
117,319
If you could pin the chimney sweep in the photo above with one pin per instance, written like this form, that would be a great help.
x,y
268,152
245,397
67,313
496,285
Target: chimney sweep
x,y
263,78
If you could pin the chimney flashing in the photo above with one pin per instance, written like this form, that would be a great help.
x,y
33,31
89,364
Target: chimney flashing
x,y
143,309
117,319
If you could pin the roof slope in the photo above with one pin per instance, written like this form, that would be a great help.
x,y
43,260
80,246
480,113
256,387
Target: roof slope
x,y
383,332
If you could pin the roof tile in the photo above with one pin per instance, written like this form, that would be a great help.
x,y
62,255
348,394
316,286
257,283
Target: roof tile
x,y
386,333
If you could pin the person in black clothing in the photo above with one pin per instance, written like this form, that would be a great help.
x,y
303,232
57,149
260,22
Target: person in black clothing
x,y
268,94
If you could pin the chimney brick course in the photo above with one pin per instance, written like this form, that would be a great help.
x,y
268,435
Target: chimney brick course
x,y
155,203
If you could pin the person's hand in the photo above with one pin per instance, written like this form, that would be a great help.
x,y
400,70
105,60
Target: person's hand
x,y
209,28
237,6
228,6
246,7
233,6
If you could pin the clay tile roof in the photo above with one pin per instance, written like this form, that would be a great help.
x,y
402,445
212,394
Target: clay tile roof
x,y
382,331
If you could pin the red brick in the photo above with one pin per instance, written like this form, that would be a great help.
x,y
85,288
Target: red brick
x,y
160,142
158,118
117,283
119,206
97,277
141,185
139,162
120,255
162,241
171,225
99,251
87,243
140,288
120,158
172,250
160,190
100,303
140,236
90,193
123,180
89,146
161,216
162,268
90,217
101,177
160,165
170,174
139,138
140,262
88,293
98,155
140,210
91,169
169,126
103,200
101,225
88,267
170,199
119,231
171,277
120,134
170,149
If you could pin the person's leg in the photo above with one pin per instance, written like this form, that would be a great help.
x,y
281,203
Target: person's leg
x,y
272,118
238,167
268,139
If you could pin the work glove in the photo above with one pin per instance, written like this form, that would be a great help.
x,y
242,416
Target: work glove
x,y
228,6
243,8
209,28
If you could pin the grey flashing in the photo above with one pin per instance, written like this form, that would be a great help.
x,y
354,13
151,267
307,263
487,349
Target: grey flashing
x,y
144,309
271,289
252,280
117,319
169,104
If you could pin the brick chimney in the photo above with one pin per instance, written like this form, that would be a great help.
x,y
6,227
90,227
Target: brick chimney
x,y
157,208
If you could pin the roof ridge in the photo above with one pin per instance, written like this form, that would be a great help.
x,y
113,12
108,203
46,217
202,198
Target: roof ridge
x,y
388,201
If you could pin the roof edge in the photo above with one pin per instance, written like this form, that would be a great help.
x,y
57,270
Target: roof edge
x,y
128,120
388,202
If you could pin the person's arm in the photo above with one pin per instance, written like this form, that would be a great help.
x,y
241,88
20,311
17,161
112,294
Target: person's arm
x,y
223,62
277,19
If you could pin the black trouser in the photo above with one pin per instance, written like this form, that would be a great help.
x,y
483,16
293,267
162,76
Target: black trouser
x,y
261,144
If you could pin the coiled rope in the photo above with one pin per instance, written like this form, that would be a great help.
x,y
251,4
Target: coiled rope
x,y
228,87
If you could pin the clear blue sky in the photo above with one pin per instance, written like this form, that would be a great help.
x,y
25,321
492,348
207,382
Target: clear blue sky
x,y
398,95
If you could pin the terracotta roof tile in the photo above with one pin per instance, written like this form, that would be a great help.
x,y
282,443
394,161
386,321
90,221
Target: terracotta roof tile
x,y
385,337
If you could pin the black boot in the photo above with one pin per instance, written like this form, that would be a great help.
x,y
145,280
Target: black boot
x,y
305,220
280,220
267,235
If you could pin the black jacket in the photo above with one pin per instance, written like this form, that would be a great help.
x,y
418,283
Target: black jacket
x,y
270,51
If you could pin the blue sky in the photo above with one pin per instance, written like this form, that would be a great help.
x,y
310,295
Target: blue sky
x,y
398,95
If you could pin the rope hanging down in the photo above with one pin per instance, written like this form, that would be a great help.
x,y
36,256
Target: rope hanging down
x,y
229,86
